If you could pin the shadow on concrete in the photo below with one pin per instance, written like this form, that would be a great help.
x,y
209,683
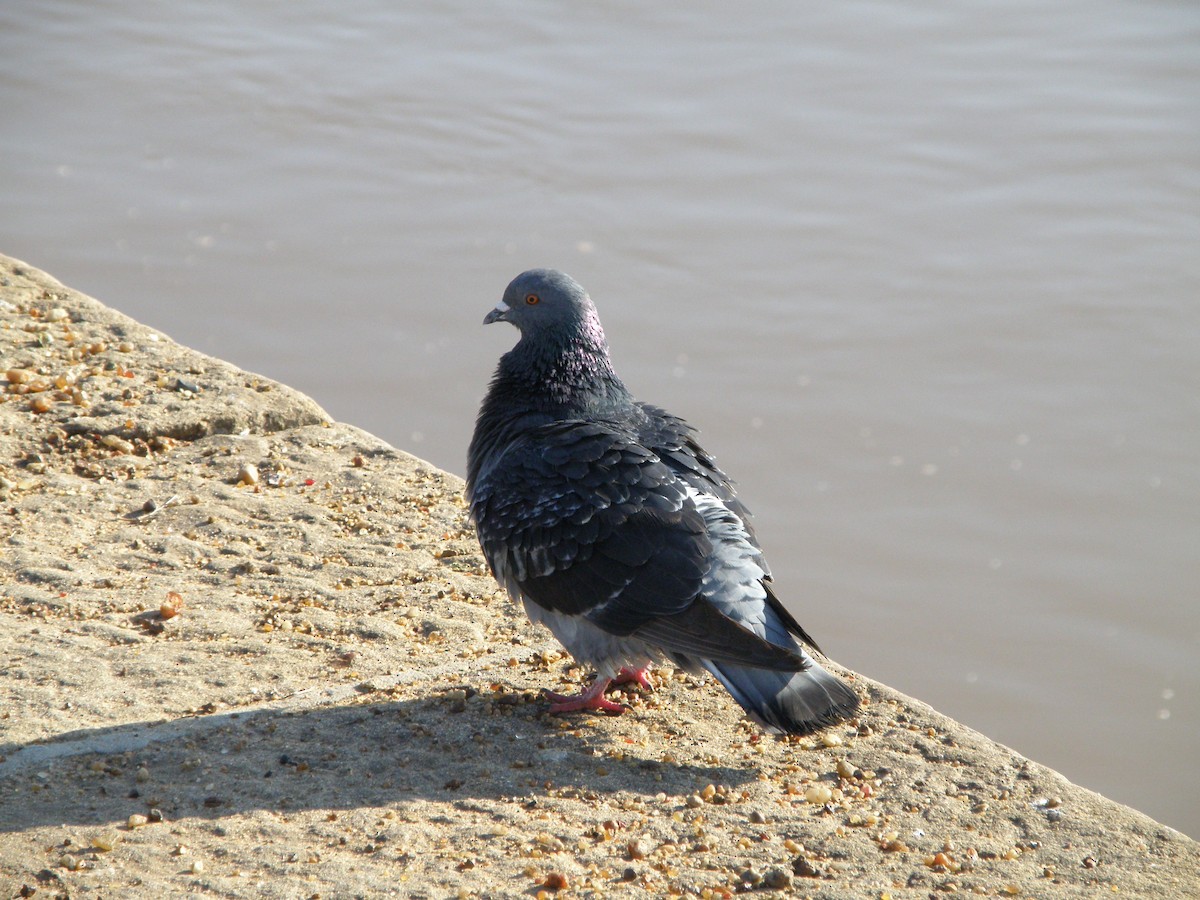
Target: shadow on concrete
x,y
365,754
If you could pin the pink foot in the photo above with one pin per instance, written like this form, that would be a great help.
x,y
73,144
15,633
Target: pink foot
x,y
630,675
592,698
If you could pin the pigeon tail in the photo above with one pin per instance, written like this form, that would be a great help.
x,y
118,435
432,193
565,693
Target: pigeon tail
x,y
788,702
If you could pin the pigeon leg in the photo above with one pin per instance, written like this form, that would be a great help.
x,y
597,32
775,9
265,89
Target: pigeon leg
x,y
592,698
630,675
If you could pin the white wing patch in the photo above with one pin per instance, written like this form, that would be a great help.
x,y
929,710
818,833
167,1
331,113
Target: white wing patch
x,y
733,583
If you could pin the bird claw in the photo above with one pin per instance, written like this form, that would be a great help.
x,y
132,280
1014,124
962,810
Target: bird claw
x,y
562,703
630,675
592,698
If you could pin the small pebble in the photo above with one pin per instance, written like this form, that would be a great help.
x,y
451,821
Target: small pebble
x,y
804,868
693,801
137,820
638,849
171,606
757,818
829,739
818,793
556,881
248,474
551,843
119,444
777,880
104,842
198,867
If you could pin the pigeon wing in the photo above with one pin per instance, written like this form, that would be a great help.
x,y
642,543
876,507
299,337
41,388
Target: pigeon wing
x,y
581,519
674,441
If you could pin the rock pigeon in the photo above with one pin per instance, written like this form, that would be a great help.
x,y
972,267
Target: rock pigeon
x,y
616,530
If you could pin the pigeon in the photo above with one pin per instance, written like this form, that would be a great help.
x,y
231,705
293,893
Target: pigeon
x,y
612,526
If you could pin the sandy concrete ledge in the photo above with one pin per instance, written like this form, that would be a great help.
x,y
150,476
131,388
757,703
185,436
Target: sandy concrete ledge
x,y
344,705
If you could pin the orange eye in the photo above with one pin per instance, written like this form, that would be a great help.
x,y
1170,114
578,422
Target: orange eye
x,y
532,299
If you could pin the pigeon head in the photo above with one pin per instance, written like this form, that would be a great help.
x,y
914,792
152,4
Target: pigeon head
x,y
546,304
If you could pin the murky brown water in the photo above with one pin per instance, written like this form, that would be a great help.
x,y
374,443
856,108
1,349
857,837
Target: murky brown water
x,y
928,279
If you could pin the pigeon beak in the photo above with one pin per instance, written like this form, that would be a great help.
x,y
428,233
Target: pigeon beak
x,y
499,314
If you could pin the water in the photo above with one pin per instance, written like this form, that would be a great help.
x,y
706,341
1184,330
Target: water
x,y
927,278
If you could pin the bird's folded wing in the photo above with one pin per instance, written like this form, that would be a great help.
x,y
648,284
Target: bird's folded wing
x,y
585,521
674,440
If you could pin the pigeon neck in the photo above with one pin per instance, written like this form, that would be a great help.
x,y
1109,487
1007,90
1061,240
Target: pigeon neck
x,y
564,378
